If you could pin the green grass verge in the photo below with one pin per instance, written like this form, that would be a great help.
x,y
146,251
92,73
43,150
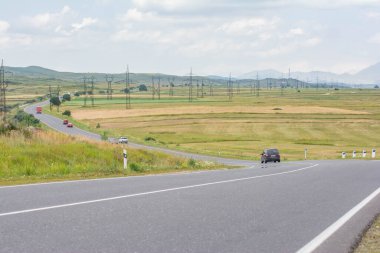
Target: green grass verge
x,y
41,156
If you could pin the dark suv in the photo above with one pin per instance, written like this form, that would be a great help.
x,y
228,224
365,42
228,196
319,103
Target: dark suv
x,y
270,155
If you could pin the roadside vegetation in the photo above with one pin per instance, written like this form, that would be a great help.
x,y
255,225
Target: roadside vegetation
x,y
30,154
370,242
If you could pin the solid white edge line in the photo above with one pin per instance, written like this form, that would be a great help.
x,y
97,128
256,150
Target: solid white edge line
x,y
153,192
322,237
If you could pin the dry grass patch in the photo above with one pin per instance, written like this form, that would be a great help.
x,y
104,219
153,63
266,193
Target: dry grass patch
x,y
121,113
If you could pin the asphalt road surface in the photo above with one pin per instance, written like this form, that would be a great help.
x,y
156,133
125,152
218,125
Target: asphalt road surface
x,y
319,206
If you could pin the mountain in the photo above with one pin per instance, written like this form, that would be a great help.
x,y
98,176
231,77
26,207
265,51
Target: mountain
x,y
371,73
367,76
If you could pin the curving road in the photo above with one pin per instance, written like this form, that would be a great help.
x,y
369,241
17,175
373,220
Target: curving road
x,y
313,206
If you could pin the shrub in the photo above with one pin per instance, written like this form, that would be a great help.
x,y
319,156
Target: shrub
x,y
77,94
191,163
143,87
149,138
67,113
25,119
376,86
66,97
104,136
135,167
98,125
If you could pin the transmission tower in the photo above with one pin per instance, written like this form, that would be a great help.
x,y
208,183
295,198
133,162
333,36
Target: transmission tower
x,y
109,79
197,88
156,88
230,88
92,78
171,85
257,85
3,88
85,93
58,91
211,88
191,86
127,90
202,90
50,97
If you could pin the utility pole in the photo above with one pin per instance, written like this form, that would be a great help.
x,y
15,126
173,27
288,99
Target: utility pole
x,y
203,84
211,88
127,90
252,87
109,79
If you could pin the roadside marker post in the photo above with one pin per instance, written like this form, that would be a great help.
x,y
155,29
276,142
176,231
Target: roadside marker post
x,y
373,153
343,155
305,153
125,158
364,153
354,154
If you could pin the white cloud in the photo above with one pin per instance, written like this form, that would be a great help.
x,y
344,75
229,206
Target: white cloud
x,y
373,15
375,38
249,26
296,31
84,23
4,26
47,19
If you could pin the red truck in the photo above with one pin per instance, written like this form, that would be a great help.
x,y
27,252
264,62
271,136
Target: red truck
x,y
39,109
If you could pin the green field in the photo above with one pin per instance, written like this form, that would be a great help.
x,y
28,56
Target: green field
x,y
325,121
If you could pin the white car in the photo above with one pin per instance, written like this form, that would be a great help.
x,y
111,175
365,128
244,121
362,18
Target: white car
x,y
123,140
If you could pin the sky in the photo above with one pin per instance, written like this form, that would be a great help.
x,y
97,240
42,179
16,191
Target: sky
x,y
171,36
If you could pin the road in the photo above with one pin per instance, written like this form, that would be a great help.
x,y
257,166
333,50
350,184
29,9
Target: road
x,y
319,206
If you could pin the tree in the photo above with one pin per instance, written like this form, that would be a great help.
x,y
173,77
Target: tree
x,y
143,87
66,97
376,86
126,91
55,101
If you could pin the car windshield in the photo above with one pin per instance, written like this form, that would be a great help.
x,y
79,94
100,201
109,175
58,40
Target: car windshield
x,y
272,152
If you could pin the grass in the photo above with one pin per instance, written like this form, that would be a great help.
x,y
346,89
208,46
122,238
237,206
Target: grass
x,y
326,122
39,156
370,242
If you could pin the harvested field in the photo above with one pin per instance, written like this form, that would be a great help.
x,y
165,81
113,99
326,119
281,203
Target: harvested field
x,y
119,113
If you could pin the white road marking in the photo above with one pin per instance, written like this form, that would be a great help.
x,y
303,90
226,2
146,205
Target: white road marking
x,y
317,241
153,192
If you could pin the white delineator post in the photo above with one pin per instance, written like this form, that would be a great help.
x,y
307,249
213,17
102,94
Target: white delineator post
x,y
364,153
305,153
354,154
125,158
373,153
343,155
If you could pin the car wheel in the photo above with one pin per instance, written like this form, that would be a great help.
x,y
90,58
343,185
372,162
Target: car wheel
x,y
279,160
